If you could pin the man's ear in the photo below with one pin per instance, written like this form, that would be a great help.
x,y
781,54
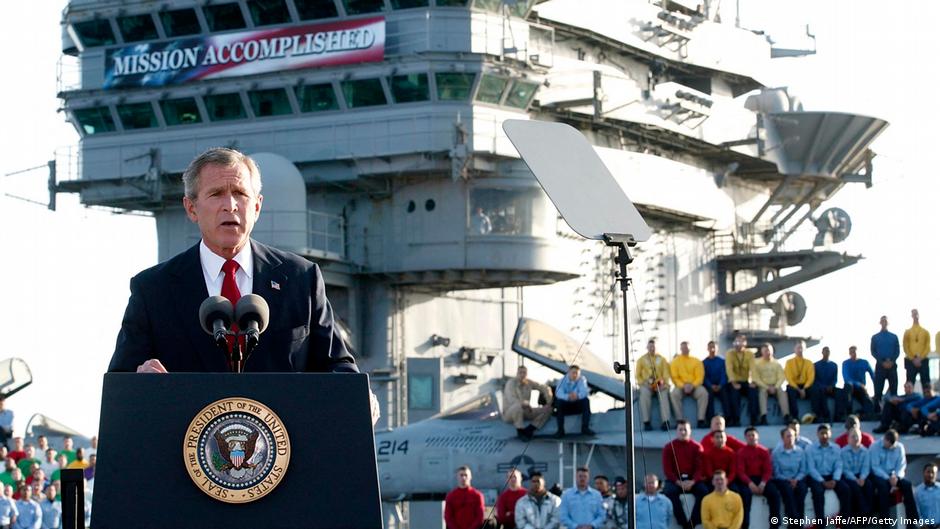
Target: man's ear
x,y
258,205
190,207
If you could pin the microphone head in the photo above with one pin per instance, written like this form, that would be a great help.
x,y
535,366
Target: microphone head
x,y
252,307
215,308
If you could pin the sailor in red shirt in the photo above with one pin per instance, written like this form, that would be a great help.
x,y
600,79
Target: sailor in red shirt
x,y
850,423
463,506
721,457
682,467
718,423
754,472
506,503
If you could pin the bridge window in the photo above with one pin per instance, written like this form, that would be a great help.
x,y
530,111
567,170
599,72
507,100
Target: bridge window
x,y
267,12
454,86
521,94
222,17
406,4
180,111
452,3
363,93
409,88
421,392
489,5
317,97
521,7
94,120
95,33
222,107
520,211
491,89
179,22
137,116
135,28
272,102
358,7
313,9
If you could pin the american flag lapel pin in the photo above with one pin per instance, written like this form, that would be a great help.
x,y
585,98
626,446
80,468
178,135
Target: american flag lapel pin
x,y
275,285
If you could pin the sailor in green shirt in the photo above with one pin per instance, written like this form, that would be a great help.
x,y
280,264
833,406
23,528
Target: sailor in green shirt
x,y
26,464
7,476
68,449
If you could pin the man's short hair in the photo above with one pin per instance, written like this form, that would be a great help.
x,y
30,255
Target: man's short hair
x,y
584,469
824,426
218,156
718,415
892,436
465,468
603,477
535,475
750,429
851,421
784,430
719,472
573,367
716,432
680,422
793,421
930,464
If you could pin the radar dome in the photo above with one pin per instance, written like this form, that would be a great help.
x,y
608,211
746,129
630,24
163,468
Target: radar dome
x,y
283,220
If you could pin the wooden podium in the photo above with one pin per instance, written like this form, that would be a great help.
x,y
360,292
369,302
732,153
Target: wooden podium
x,y
208,451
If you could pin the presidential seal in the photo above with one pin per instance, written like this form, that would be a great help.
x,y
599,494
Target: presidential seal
x,y
236,450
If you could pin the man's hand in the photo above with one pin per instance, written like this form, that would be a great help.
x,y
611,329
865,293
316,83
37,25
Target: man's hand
x,y
793,483
572,396
754,488
829,484
893,480
686,485
761,488
861,482
916,361
688,389
151,366
887,364
735,385
374,404
716,388
802,393
772,390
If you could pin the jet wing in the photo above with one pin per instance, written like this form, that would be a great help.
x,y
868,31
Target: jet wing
x,y
554,349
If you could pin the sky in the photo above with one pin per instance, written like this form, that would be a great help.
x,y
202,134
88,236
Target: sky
x,y
66,273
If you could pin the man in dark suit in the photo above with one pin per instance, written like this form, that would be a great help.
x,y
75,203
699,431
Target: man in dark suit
x,y
161,333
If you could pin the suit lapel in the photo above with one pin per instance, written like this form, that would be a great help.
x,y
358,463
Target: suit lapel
x,y
191,292
268,282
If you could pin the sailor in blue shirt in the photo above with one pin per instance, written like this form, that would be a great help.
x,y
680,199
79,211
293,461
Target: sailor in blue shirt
x,y
891,411
801,442
853,376
824,466
716,382
825,386
888,464
911,412
30,513
927,495
581,505
7,510
856,467
6,424
571,398
789,462
51,509
653,510
885,349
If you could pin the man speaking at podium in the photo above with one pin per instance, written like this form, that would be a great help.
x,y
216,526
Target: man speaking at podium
x,y
161,331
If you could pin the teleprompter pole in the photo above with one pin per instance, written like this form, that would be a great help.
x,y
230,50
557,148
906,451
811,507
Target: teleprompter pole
x,y
623,243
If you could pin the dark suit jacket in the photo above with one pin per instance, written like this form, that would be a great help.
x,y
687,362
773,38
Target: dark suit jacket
x,y
162,318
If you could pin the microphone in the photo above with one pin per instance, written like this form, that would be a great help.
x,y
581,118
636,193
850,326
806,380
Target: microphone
x,y
215,316
251,313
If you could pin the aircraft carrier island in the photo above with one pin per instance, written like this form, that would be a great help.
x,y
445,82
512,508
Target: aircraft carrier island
x,y
377,126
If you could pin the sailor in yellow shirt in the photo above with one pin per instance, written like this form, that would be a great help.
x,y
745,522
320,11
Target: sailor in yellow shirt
x,y
688,375
723,508
652,376
800,374
767,377
916,348
738,368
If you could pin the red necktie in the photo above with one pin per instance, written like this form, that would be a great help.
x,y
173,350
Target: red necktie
x,y
230,291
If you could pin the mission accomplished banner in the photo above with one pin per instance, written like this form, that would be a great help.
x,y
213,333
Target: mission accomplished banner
x,y
246,53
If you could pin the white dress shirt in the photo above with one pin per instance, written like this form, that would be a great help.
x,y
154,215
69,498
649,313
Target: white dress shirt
x,y
212,269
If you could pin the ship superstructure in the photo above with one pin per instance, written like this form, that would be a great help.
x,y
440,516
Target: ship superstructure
x,y
377,126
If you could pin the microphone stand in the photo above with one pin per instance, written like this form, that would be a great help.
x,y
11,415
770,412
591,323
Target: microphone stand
x,y
237,352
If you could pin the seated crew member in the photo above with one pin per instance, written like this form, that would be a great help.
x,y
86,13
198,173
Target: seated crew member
x,y
721,457
653,510
517,409
931,414
927,496
856,467
723,508
582,506
852,423
755,471
888,466
891,410
910,411
825,387
571,398
824,471
767,378
688,375
801,373
716,382
652,377
854,370
682,460
789,472
738,368
718,423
